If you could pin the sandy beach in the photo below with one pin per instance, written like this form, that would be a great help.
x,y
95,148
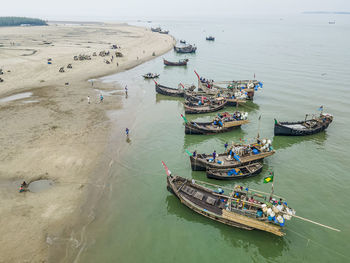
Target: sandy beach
x,y
52,132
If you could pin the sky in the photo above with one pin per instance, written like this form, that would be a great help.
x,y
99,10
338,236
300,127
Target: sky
x,y
143,9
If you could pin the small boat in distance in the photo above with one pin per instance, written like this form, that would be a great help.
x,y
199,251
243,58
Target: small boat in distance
x,y
306,127
235,173
210,38
150,75
185,49
331,22
156,29
183,41
182,62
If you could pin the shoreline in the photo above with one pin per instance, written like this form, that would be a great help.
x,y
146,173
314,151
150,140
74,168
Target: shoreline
x,y
65,141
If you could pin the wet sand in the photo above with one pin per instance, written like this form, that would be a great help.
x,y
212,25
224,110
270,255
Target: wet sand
x,y
54,133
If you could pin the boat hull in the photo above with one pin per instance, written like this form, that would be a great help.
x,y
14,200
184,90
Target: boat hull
x,y
212,175
201,129
283,130
200,163
168,91
204,109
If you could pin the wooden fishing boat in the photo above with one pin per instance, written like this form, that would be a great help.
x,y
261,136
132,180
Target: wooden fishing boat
x,y
237,155
247,87
185,49
169,91
224,122
191,108
151,75
241,207
306,127
210,38
156,29
182,62
235,173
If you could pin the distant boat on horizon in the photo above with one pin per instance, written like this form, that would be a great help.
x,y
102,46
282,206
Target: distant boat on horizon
x,y
331,22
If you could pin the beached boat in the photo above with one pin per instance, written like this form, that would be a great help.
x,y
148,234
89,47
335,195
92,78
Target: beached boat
x,y
150,75
235,173
164,31
210,38
211,106
182,62
306,127
241,207
169,91
156,29
185,49
237,155
224,122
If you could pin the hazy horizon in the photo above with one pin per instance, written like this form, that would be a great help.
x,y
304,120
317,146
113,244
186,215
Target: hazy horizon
x,y
114,10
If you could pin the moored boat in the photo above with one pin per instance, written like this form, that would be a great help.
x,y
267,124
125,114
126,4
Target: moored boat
x,y
235,173
237,155
150,75
183,41
156,29
224,122
242,207
185,49
182,62
306,127
210,38
169,91
211,106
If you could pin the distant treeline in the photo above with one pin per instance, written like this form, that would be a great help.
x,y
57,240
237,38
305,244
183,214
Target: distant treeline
x,y
17,21
326,13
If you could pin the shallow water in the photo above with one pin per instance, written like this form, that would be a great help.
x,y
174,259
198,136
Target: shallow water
x,y
40,185
18,96
304,63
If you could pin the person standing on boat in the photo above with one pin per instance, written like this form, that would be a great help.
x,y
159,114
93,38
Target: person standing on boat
x,y
214,156
194,154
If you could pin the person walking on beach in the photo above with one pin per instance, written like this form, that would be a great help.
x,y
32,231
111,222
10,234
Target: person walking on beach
x,y
126,90
88,99
101,98
92,83
127,132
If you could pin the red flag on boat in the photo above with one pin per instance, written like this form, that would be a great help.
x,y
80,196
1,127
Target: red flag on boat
x,y
182,85
197,74
166,169
155,82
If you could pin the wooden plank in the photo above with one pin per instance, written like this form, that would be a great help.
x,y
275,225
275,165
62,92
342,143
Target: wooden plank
x,y
252,223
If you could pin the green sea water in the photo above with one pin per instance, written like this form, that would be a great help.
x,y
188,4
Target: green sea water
x,y
304,63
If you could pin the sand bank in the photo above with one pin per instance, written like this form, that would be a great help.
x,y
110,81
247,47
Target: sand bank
x,y
53,132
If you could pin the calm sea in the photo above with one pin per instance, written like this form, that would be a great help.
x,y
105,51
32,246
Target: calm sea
x,y
304,63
